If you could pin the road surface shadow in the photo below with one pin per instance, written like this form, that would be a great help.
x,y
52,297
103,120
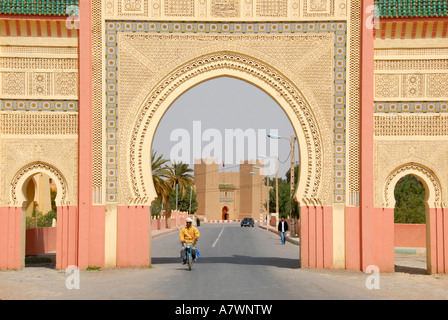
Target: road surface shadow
x,y
410,270
236,259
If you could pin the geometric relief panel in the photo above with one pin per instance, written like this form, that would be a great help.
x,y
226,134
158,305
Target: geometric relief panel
x,y
39,84
387,85
272,8
437,85
410,125
173,8
66,84
418,86
413,85
225,8
134,7
13,83
318,7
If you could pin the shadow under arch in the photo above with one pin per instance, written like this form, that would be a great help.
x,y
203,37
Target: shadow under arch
x,y
214,65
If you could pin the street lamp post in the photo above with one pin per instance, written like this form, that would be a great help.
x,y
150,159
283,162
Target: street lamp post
x,y
276,186
267,201
292,178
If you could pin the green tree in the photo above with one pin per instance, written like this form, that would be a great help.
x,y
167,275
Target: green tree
x,y
295,212
184,202
410,200
284,199
179,175
160,173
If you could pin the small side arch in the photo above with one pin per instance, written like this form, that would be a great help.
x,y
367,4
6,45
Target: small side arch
x,y
23,176
426,175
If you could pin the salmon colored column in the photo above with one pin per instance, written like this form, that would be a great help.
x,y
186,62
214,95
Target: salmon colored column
x,y
10,238
304,234
384,249
97,254
438,238
312,237
85,132
366,130
445,233
133,236
67,237
431,232
319,237
328,236
353,238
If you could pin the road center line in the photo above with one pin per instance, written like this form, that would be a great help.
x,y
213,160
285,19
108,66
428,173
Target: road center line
x,y
216,241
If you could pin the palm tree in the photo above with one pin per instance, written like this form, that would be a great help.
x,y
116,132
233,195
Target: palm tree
x,y
160,173
179,175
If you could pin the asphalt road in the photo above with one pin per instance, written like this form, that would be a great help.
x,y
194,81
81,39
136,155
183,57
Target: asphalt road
x,y
235,264
242,263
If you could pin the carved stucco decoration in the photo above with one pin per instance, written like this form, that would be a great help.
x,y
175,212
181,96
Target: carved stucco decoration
x,y
147,61
20,181
429,179
423,159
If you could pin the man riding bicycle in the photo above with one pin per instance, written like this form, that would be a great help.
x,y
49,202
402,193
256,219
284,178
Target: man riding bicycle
x,y
188,234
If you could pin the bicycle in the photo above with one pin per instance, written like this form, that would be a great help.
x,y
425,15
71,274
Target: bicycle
x,y
190,250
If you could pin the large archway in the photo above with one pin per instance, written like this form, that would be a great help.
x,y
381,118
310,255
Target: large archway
x,y
241,67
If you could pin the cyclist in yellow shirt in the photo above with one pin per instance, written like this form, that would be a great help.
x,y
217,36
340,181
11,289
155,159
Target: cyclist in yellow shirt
x,y
188,234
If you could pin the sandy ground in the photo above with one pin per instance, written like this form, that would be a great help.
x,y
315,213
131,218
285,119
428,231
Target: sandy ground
x,y
409,282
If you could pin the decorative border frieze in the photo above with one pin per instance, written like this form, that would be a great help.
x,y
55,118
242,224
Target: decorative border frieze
x,y
338,28
411,107
39,105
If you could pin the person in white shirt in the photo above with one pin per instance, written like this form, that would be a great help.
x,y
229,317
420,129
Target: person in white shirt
x,y
282,228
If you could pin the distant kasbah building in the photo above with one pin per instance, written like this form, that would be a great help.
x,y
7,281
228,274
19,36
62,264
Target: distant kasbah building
x,y
227,195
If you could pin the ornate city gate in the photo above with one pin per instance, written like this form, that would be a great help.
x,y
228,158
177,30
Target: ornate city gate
x,y
315,58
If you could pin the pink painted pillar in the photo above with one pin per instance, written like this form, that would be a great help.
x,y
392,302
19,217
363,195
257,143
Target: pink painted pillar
x,y
319,237
445,237
432,263
384,249
312,236
440,241
85,131
304,235
366,144
328,236
10,238
353,238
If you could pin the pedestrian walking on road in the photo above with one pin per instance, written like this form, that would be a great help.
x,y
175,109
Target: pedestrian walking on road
x,y
282,228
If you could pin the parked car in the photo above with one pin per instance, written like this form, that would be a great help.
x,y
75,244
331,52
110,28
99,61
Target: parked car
x,y
247,222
